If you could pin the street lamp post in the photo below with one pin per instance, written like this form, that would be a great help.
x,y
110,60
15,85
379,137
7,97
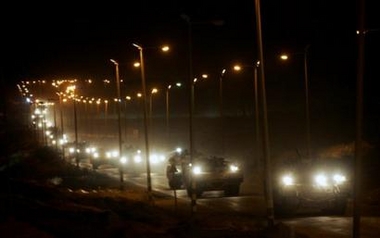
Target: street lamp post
x,y
268,177
118,116
167,108
153,91
127,98
76,132
191,106
221,92
61,120
307,104
256,95
257,109
145,106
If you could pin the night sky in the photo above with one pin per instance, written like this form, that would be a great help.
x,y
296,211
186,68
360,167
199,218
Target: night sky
x,y
76,40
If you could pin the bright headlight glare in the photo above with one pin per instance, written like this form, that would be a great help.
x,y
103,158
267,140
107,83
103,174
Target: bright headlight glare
x,y
137,159
234,168
123,160
287,180
338,178
197,170
153,159
321,180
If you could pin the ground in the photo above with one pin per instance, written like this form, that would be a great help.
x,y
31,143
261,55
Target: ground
x,y
44,196
47,197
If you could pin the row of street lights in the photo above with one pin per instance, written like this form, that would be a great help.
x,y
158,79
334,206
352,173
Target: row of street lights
x,y
145,109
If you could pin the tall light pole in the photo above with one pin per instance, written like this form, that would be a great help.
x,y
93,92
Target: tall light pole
x,y
221,92
145,106
73,95
307,104
203,76
118,116
153,91
257,124
191,106
105,115
167,108
61,120
268,176
256,94
357,202
127,98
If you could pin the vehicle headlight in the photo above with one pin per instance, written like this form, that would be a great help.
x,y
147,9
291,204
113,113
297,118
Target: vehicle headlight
x,y
153,159
123,160
137,159
321,180
197,170
339,179
234,168
287,180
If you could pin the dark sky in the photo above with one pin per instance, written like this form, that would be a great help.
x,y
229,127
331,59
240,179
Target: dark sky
x,y
64,39
76,40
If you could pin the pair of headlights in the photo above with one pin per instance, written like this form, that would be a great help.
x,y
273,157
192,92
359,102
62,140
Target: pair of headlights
x,y
320,179
198,169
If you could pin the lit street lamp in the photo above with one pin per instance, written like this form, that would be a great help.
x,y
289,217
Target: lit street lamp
x,y
72,89
61,120
221,92
153,91
105,115
266,152
203,76
118,116
127,98
255,85
190,24
145,106
167,107
307,110
143,85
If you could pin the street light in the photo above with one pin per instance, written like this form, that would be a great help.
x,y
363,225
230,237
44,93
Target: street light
x,y
307,110
71,90
61,120
268,177
190,23
153,91
127,98
167,107
145,106
143,85
255,85
118,116
203,76
221,92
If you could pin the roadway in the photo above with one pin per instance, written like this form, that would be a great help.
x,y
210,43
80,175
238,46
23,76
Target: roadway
x,y
252,205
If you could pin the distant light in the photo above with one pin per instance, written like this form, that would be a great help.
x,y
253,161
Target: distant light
x,y
284,57
165,48
237,67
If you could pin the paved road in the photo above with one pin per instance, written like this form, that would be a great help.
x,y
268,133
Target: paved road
x,y
329,227
305,227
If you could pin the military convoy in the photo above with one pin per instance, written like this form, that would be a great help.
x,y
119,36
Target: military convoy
x,y
321,184
205,173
